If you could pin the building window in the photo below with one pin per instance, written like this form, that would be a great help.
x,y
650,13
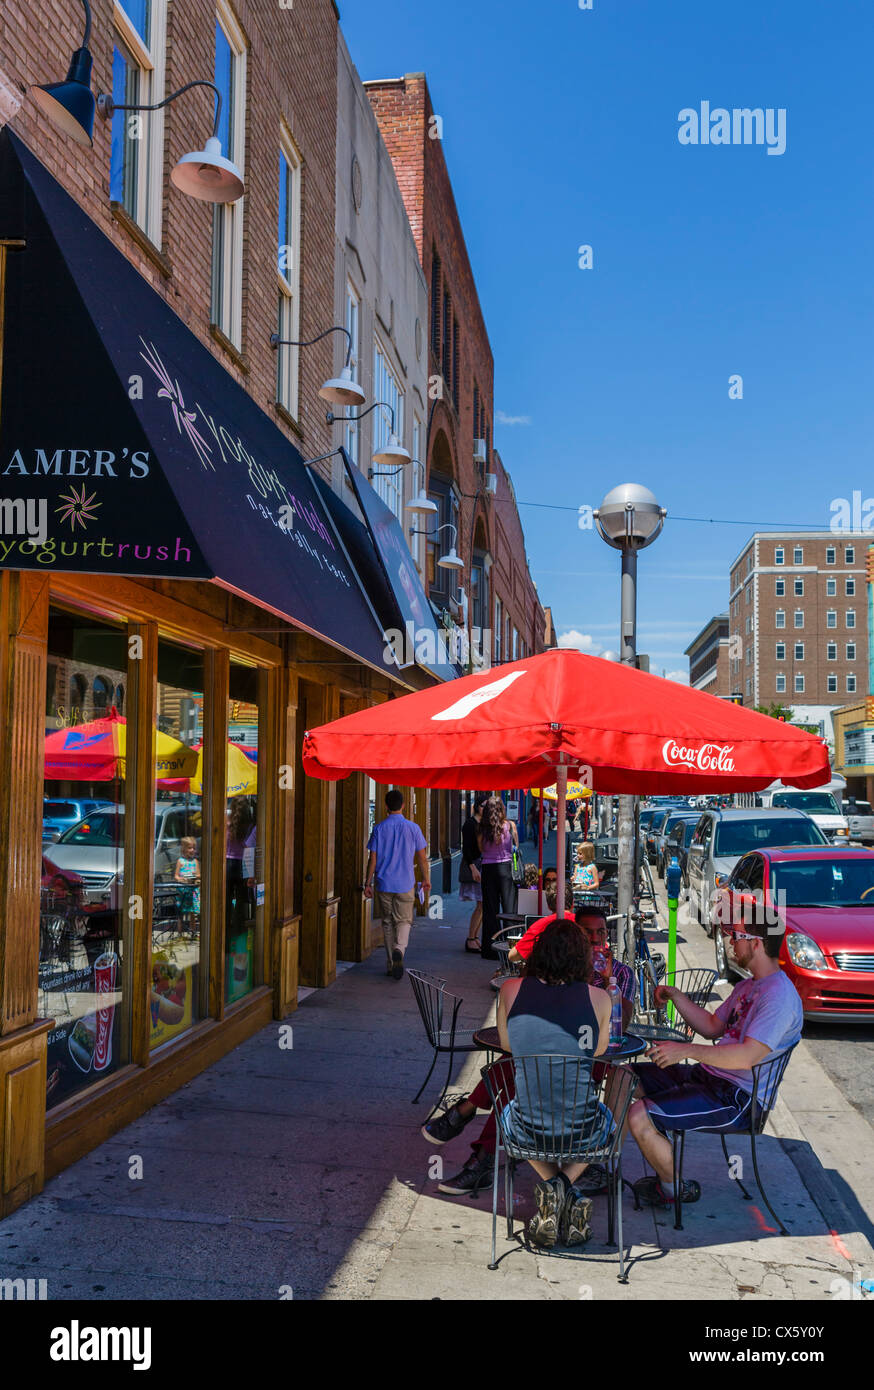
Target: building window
x,y
831,588
830,555
799,685
831,618
851,588
387,389
799,588
799,617
779,557
436,298
440,581
499,630
832,684
136,161
798,556
781,685
352,320
851,617
850,555
417,484
227,226
851,651
749,687
749,593
749,657
515,645
799,651
780,618
780,653
446,341
455,361
288,272
748,627
831,653
851,685
780,588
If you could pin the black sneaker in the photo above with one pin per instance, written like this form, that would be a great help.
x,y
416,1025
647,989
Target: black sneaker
x,y
445,1127
649,1192
575,1227
545,1225
397,965
478,1172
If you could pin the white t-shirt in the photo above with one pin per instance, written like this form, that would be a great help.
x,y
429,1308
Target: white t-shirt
x,y
769,1010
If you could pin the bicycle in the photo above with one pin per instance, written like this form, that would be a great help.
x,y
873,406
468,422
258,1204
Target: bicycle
x,y
648,967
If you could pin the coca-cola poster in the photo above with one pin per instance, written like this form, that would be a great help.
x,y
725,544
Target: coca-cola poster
x,y
83,1045
702,757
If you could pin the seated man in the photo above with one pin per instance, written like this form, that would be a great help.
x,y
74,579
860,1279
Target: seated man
x,y
478,1171
762,1015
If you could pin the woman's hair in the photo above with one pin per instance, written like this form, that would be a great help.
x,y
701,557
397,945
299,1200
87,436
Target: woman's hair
x,y
587,852
532,875
494,816
562,955
479,801
240,819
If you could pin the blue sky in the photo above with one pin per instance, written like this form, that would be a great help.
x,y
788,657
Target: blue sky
x,y
560,129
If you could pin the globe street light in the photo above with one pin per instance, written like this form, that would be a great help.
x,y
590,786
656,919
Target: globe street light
x,y
629,519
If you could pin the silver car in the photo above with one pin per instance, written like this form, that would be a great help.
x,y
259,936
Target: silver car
x,y
860,818
723,837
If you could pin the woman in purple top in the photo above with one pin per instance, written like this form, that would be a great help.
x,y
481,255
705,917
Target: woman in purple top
x,y
497,839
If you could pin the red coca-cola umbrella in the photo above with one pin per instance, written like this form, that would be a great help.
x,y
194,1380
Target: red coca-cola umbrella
x,y
562,714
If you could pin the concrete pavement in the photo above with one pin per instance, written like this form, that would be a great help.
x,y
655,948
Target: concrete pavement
x,y
301,1172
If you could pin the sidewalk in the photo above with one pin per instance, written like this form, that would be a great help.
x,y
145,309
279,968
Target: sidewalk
x,y
304,1169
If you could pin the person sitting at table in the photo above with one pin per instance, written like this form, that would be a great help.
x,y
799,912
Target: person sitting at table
x,y
586,871
478,1171
709,1085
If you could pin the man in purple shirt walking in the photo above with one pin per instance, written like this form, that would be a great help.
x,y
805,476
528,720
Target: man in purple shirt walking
x,y
395,845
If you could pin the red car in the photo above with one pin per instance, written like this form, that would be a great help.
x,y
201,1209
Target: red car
x,y
822,902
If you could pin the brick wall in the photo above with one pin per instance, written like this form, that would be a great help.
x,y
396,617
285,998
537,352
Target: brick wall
x,y
292,75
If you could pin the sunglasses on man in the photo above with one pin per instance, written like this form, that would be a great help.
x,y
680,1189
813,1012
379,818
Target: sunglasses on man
x,y
738,935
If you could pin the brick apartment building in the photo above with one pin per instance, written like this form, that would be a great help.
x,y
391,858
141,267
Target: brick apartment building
x,y
798,621
708,653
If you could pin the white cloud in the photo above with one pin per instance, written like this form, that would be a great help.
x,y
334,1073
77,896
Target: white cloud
x,y
503,419
582,641
681,677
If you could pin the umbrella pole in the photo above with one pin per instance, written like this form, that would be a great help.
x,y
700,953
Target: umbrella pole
x,y
540,854
561,787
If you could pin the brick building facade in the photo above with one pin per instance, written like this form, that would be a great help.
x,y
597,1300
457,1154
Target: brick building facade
x,y
709,663
798,615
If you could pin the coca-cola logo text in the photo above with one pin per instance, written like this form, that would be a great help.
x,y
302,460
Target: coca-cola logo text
x,y
710,757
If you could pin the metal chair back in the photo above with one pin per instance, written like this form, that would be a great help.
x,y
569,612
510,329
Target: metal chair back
x,y
435,1003
553,1085
767,1076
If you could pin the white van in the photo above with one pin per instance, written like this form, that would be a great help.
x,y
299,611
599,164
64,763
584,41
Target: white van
x,y
822,804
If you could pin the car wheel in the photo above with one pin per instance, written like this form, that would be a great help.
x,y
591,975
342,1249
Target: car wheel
x,y
704,915
723,969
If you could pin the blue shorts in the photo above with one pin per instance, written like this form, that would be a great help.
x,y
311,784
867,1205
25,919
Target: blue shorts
x,y
688,1096
594,1136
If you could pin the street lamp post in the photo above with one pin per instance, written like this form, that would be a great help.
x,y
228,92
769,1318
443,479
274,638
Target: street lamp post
x,y
629,519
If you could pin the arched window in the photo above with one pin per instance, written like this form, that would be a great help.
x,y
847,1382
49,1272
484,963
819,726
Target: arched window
x,y
102,696
119,698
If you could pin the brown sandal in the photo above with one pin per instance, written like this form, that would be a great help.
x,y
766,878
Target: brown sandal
x,y
472,949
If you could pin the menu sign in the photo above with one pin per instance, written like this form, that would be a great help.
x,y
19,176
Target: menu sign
x,y
83,1046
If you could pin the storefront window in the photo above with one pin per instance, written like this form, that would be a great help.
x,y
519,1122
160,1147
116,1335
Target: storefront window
x,y
177,939
244,904
81,936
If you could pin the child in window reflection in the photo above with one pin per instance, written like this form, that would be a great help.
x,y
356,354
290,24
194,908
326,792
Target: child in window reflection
x,y
188,873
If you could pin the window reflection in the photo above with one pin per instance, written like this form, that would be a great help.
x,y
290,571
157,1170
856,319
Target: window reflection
x,y
244,893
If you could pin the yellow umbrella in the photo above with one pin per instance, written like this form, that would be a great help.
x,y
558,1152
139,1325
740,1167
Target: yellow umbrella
x,y
97,752
575,792
242,774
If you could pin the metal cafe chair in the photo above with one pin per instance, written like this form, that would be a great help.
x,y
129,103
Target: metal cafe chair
x,y
503,942
547,1078
439,1010
653,1023
767,1076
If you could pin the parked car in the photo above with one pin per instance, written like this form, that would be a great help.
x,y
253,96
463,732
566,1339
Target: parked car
x,y
94,850
654,829
675,818
677,844
722,837
860,818
60,814
822,903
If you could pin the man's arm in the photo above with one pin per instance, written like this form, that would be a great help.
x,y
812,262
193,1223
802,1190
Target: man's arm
x,y
704,1022
425,867
368,878
731,1057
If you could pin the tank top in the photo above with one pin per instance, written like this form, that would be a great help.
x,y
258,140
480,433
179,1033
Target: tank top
x,y
499,851
552,1019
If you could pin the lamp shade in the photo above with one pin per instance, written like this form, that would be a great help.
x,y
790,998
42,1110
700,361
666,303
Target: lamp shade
x,y
451,560
70,105
343,390
420,505
207,175
392,453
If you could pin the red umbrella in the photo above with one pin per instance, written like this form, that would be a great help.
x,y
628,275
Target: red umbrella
x,y
563,714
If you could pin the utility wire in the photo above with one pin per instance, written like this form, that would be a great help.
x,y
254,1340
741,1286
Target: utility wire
x,y
703,520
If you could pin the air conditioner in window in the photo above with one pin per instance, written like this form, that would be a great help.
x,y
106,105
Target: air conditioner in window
x,y
492,483
480,452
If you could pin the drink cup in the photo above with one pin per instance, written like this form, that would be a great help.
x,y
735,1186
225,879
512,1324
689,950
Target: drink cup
x,y
105,971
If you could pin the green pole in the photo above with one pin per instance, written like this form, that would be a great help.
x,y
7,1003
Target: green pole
x,y
672,882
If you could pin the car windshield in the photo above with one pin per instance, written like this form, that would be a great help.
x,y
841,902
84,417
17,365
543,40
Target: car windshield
x,y
680,819
736,837
814,803
837,882
860,808
60,810
104,828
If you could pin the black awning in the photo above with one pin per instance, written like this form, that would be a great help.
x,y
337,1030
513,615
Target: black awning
x,y
134,447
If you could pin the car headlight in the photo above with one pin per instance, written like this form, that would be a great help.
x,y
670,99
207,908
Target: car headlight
x,y
804,952
843,830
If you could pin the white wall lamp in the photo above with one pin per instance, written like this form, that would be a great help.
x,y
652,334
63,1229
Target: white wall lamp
x,y
341,390
451,560
391,453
